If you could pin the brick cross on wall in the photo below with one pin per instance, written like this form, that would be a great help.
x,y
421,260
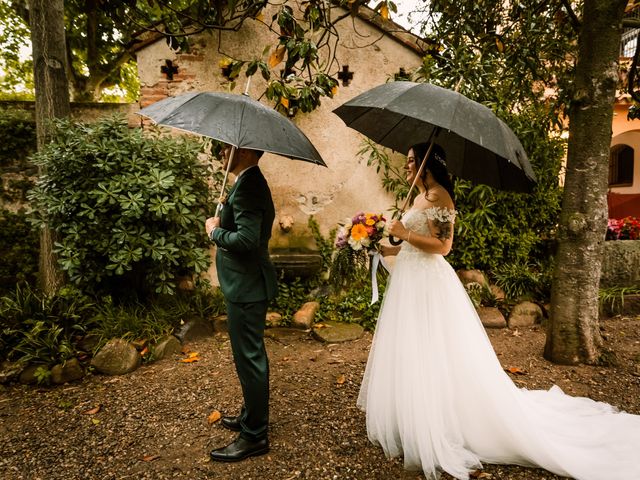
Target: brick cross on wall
x,y
345,75
169,69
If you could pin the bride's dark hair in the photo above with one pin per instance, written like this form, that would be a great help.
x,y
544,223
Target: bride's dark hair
x,y
436,164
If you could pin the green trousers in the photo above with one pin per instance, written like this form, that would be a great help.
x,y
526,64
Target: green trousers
x,y
246,322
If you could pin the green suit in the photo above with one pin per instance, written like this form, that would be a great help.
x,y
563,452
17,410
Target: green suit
x,y
248,281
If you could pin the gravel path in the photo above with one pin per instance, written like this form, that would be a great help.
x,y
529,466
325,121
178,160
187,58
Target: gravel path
x,y
152,424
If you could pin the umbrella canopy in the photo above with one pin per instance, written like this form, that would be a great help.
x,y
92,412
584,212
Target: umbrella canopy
x,y
237,120
479,146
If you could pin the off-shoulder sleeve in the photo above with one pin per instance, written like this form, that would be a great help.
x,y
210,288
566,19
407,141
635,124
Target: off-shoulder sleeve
x,y
441,214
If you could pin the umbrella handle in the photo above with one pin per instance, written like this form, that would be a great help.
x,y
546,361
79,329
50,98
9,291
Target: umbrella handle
x,y
395,241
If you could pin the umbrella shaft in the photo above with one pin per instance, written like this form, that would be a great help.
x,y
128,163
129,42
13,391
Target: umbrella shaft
x,y
224,182
431,141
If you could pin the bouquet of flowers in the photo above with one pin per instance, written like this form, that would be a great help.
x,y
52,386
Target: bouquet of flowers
x,y
357,238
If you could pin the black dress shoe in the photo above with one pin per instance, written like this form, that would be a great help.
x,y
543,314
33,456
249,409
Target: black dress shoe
x,y
232,423
239,450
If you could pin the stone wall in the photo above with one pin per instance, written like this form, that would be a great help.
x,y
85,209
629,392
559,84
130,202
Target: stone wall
x,y
620,264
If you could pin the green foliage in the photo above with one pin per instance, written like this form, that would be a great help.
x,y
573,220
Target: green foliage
x,y
132,321
17,138
19,247
291,296
38,329
480,294
522,280
127,208
325,245
353,305
612,299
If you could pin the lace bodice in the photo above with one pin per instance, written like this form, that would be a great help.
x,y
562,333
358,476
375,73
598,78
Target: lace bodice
x,y
418,221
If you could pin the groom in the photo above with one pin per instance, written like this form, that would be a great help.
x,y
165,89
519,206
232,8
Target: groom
x,y
248,281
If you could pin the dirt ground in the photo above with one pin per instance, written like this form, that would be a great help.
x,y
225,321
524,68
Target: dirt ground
x,y
152,424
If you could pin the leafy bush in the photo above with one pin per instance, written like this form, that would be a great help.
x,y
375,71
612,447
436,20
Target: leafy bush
x,y
128,208
521,280
353,305
18,249
39,329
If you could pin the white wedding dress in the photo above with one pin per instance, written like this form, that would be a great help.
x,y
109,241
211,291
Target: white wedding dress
x,y
435,392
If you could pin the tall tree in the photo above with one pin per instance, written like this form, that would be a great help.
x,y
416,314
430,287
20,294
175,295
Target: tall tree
x,y
573,335
52,100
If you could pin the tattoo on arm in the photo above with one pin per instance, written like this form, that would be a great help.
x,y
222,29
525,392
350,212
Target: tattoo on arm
x,y
444,230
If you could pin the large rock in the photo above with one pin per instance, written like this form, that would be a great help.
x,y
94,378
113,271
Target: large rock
x,y
28,375
195,329
336,332
117,357
10,371
304,317
274,319
67,372
497,292
472,276
525,314
491,317
166,346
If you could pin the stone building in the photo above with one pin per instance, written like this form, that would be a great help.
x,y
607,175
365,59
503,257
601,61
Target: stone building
x,y
371,51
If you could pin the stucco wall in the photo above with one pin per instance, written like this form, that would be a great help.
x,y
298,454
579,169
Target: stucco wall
x,y
627,132
299,189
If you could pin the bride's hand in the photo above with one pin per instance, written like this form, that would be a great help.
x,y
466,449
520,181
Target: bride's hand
x,y
397,229
386,250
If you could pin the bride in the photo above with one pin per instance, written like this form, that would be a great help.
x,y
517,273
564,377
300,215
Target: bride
x,y
434,390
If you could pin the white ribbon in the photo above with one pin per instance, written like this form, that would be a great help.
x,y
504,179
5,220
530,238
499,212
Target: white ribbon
x,y
376,260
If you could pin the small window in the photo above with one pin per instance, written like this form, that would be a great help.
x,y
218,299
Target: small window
x,y
621,166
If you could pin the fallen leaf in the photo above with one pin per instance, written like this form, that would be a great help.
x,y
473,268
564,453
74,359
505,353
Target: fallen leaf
x,y
214,417
144,351
516,370
341,379
95,421
92,411
190,359
285,102
516,333
480,474
320,325
334,91
150,458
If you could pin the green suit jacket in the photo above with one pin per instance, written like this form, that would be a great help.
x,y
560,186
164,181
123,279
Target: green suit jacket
x,y
245,271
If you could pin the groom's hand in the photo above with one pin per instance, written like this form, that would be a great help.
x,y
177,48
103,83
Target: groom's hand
x,y
210,224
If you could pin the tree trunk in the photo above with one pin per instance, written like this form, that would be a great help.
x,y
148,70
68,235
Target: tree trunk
x,y
46,18
573,334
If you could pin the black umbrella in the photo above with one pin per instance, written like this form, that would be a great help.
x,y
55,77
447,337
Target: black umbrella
x,y
237,120
479,146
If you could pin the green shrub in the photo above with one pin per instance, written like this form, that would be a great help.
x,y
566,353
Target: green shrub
x,y
38,329
128,208
19,247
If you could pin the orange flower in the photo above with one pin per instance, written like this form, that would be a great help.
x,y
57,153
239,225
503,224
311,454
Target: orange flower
x,y
359,232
